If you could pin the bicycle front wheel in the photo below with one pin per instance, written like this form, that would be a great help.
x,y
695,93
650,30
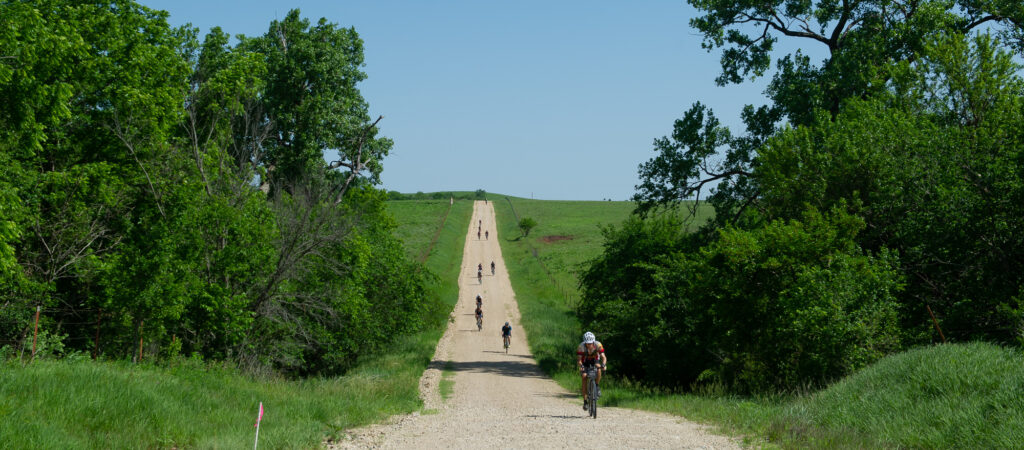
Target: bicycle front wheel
x,y
592,394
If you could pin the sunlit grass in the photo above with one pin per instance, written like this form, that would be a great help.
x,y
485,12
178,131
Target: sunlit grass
x,y
447,384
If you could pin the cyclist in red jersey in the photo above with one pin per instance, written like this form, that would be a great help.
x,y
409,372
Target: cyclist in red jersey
x,y
590,352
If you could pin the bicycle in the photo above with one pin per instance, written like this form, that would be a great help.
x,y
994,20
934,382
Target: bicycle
x,y
480,276
492,268
506,339
591,371
479,322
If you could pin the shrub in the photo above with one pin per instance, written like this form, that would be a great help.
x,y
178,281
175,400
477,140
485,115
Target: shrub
x,y
780,307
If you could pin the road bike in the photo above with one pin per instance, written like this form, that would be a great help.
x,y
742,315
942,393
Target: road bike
x,y
479,323
506,339
480,276
592,390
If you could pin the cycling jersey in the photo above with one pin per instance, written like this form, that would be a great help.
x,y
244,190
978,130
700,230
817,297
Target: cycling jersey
x,y
506,330
590,358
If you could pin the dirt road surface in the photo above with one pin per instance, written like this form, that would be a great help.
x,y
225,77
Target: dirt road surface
x,y
503,400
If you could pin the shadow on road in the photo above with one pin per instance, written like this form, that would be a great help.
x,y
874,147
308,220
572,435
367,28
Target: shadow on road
x,y
507,368
567,395
502,352
536,416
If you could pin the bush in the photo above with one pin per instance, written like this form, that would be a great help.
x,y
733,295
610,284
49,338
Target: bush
x,y
526,224
781,307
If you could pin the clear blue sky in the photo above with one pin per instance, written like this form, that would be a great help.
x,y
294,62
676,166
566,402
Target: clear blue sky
x,y
550,99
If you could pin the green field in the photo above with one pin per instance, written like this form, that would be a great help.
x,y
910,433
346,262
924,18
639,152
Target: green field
x,y
418,222
80,403
950,396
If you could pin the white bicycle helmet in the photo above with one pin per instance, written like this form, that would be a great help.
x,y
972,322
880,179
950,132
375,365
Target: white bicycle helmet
x,y
588,338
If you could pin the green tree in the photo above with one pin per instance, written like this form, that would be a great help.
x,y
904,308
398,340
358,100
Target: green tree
x,y
526,224
177,190
91,98
863,39
934,170
311,98
910,127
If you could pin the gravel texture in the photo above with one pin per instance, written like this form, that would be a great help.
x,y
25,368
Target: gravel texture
x,y
503,400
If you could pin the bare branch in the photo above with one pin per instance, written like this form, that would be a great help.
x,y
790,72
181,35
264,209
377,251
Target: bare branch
x,y
982,20
357,165
782,28
122,135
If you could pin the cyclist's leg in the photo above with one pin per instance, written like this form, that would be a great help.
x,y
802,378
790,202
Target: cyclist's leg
x,y
583,388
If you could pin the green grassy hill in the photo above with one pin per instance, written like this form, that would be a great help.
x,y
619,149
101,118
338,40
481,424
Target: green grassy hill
x,y
946,396
80,403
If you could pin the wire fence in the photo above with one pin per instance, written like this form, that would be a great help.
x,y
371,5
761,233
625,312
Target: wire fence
x,y
49,329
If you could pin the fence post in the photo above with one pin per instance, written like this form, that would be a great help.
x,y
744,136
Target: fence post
x,y
35,333
140,341
96,343
936,322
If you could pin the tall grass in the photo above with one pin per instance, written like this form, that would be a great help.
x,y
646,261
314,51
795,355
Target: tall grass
x,y
80,403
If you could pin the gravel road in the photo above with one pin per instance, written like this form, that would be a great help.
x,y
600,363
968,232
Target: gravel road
x,y
503,400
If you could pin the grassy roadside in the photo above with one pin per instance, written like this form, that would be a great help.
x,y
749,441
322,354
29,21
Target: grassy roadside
x,y
80,403
951,396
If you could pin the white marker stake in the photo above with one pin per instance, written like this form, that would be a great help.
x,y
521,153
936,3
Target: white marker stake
x,y
258,419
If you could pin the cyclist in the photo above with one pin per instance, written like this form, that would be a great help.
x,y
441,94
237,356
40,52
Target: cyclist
x,y
487,234
479,301
506,334
479,317
480,276
589,352
492,267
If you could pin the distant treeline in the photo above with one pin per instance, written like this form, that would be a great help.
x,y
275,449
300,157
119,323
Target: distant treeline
x,y
875,204
162,194
479,194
